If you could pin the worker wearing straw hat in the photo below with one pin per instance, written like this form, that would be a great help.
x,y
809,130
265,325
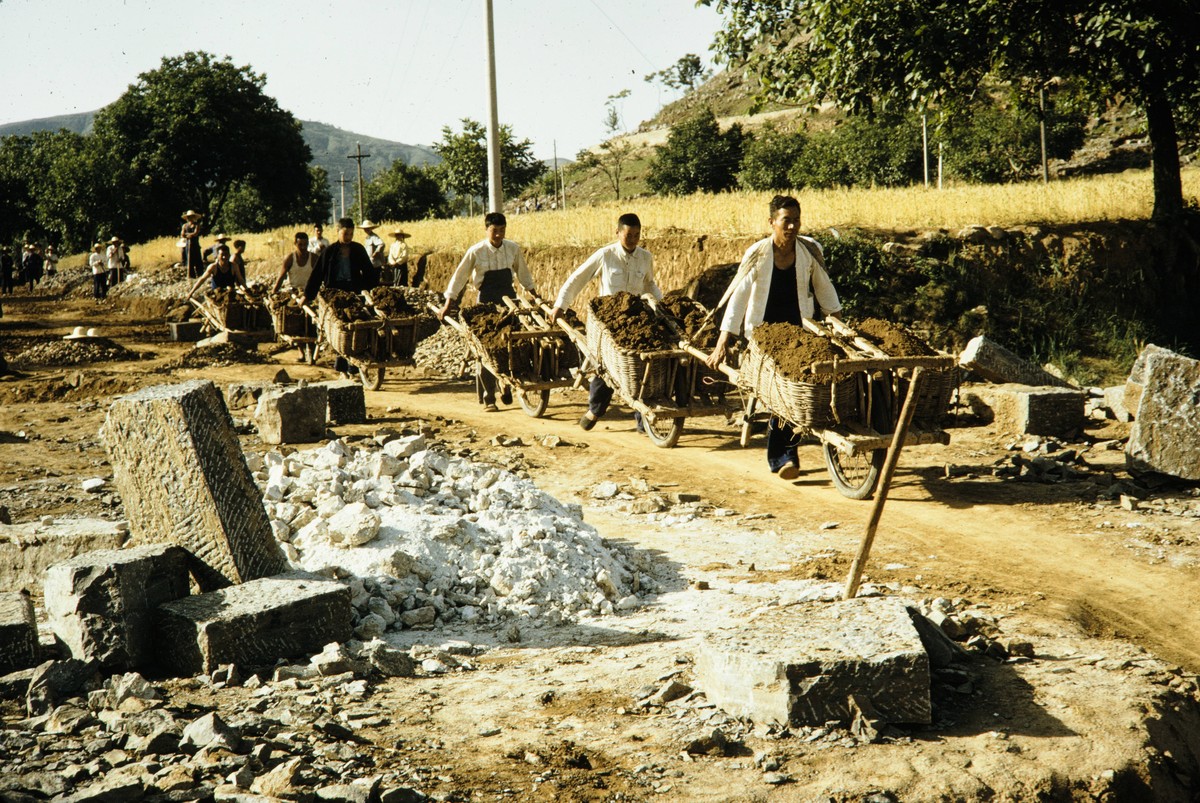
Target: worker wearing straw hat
x,y
374,245
189,239
397,259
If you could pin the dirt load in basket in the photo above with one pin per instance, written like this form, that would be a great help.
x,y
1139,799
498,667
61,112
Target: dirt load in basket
x,y
709,286
347,307
491,325
794,350
632,324
893,339
692,319
392,302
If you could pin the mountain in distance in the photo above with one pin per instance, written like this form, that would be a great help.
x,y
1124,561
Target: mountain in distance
x,y
331,146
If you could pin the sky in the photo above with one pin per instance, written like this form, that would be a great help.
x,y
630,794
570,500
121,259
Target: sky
x,y
398,70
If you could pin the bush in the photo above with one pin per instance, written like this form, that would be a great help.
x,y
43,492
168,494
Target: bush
x,y
769,157
698,157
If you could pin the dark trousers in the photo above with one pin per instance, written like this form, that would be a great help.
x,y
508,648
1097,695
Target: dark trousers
x,y
781,444
485,385
99,285
400,274
599,396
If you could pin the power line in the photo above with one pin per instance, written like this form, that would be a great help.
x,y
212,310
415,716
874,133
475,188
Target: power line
x,y
618,29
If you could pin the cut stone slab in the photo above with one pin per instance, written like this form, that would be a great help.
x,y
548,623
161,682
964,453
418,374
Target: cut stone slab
x,y
242,395
1114,402
347,401
799,664
292,414
18,632
253,624
1138,373
180,471
1026,410
102,605
1165,437
28,549
995,363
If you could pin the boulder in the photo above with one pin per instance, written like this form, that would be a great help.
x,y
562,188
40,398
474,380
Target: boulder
x,y
292,414
1165,437
18,632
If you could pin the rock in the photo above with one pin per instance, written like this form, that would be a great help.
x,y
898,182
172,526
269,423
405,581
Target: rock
x,y
388,661
281,781
101,605
605,490
19,648
1024,410
210,731
1165,437
671,690
243,395
1138,375
995,363
425,615
353,525
254,623
1114,402
866,724
93,485
55,681
346,402
714,743
292,414
108,790
178,466
361,792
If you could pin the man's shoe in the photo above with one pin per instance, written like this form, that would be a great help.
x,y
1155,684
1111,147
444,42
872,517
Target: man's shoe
x,y
506,395
491,408
789,471
586,421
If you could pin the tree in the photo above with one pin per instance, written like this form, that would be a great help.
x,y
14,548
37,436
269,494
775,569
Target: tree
x,y
769,158
925,54
196,130
684,74
403,192
613,153
698,157
464,166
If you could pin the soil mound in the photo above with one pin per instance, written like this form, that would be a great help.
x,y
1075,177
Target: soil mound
x,y
218,355
692,319
393,302
74,352
893,339
632,323
709,286
794,350
347,307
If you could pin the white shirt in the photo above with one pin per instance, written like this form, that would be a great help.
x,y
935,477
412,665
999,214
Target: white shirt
x,y
483,257
317,245
398,253
114,256
297,275
96,261
619,270
748,301
374,246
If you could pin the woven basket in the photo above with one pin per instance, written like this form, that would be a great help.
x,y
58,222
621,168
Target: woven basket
x,y
401,340
803,404
361,342
625,369
291,321
933,402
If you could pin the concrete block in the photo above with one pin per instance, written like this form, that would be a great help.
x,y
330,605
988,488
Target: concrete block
x,y
253,624
347,402
28,549
1025,410
799,664
1137,375
292,414
18,632
102,605
993,362
1114,402
1165,437
243,395
179,468
185,331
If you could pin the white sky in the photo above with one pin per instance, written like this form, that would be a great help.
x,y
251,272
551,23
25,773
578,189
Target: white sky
x,y
398,70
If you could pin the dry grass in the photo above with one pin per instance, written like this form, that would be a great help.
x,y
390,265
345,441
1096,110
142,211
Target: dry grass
x,y
558,240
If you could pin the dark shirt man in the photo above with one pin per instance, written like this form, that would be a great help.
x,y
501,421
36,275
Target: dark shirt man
x,y
344,265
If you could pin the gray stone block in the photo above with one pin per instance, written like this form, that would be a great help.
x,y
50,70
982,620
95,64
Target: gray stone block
x,y
1025,410
28,549
1138,373
243,395
995,363
1165,437
102,605
1114,402
799,664
292,414
18,632
347,402
253,624
179,468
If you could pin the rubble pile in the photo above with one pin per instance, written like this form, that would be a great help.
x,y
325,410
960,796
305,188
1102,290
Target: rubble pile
x,y
74,352
167,285
217,355
445,352
427,538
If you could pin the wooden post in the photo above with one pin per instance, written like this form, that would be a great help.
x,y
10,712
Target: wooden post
x,y
885,482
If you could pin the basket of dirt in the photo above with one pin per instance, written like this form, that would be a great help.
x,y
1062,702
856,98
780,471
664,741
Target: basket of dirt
x,y
347,323
937,386
403,322
777,369
620,329
489,327
287,316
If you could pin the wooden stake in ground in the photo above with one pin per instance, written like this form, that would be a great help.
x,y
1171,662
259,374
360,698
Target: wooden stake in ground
x,y
885,482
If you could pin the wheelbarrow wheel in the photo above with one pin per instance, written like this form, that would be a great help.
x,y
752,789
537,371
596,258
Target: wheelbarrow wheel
x,y
534,402
663,433
372,377
855,476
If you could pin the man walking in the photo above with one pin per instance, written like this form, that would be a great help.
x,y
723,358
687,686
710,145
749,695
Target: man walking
x,y
343,266
397,259
621,266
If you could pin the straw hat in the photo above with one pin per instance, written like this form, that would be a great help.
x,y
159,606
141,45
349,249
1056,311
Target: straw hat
x,y
223,237
78,333
367,225
403,235
191,214
91,332
116,240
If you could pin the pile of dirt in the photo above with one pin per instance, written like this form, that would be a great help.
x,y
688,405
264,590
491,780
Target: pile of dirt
x,y
284,299
692,319
218,355
794,350
632,323
255,292
74,352
491,324
709,286
347,307
893,339
394,302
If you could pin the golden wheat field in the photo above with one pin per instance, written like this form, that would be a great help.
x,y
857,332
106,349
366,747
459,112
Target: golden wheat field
x,y
555,241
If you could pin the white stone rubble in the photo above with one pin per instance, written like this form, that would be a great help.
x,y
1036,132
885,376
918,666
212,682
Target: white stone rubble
x,y
426,538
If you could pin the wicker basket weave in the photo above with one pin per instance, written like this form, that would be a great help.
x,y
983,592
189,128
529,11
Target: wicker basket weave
x,y
342,338
291,321
804,404
627,370
933,402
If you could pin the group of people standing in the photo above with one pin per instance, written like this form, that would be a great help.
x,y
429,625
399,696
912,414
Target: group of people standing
x,y
29,267
108,264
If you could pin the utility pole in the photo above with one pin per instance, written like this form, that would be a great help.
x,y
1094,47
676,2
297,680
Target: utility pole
x,y
358,157
495,189
554,143
1042,126
343,182
925,147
